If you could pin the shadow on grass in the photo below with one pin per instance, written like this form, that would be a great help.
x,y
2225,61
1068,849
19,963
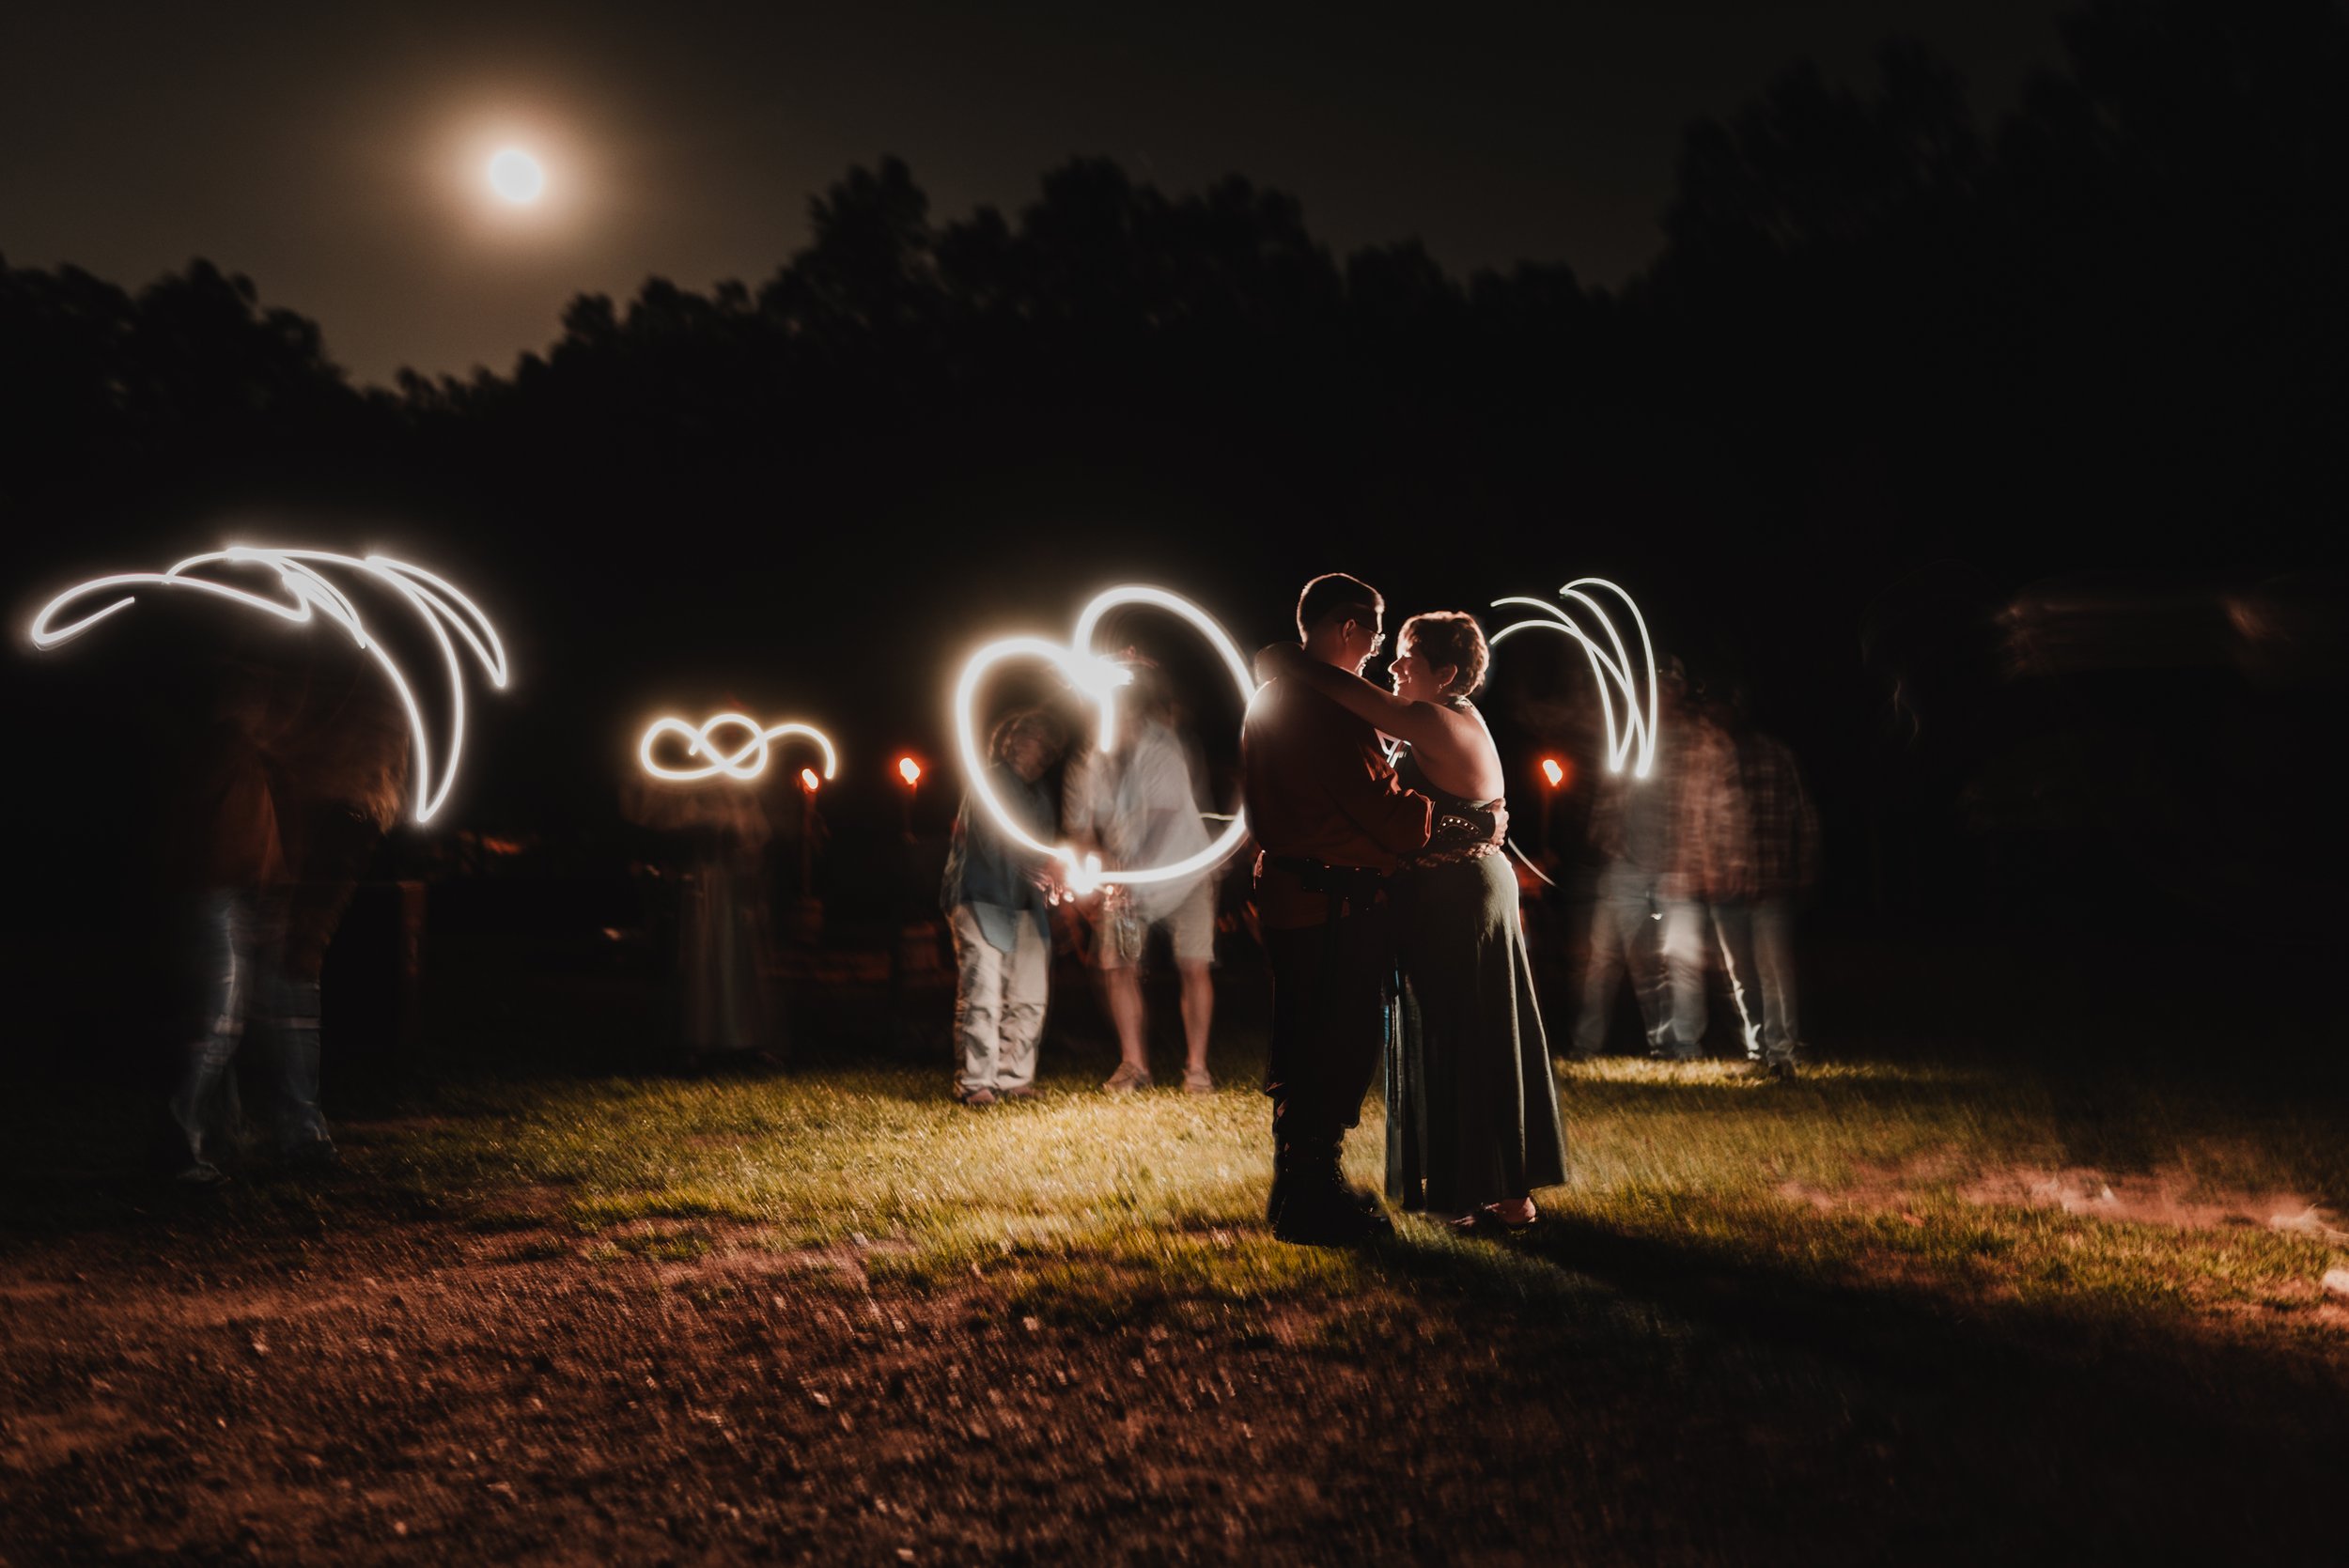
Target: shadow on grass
x,y
2017,1428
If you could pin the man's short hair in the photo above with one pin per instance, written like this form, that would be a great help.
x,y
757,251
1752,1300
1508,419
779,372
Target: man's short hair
x,y
1331,594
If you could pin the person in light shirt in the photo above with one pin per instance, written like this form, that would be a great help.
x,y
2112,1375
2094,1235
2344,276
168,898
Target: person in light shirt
x,y
1139,806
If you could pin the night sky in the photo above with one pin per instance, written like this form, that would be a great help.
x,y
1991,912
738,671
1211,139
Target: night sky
x,y
335,153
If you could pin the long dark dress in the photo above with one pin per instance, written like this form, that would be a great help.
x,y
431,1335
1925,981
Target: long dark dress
x,y
1471,1110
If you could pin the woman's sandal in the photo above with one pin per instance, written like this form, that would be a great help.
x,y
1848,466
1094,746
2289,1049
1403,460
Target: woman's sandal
x,y
1128,1079
1485,1221
976,1099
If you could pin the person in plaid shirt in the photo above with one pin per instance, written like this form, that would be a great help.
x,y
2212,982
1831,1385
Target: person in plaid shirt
x,y
1757,929
1709,867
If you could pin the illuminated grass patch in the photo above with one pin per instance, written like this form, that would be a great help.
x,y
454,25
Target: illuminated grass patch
x,y
1084,1207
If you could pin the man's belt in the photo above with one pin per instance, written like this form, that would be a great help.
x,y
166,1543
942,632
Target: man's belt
x,y
1343,885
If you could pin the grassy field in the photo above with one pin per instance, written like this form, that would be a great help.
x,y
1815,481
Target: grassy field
x,y
1895,1309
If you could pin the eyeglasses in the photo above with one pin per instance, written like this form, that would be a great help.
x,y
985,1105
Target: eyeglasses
x,y
1377,641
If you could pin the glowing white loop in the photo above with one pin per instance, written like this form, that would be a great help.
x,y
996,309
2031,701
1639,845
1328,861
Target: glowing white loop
x,y
746,761
434,598
1099,678
1613,671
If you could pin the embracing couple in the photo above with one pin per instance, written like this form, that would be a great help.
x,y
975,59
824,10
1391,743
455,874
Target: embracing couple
x,y
1375,865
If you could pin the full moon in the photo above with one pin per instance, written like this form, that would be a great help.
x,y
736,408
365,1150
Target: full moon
x,y
516,175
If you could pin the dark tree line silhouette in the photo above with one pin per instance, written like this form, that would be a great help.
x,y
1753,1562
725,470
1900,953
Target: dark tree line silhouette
x,y
2107,329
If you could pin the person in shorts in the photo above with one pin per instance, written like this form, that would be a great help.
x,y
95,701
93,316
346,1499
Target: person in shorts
x,y
1138,806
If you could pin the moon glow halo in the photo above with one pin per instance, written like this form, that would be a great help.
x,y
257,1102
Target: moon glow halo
x,y
517,177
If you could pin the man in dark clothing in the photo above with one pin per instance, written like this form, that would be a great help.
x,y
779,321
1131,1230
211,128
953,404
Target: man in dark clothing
x,y
1333,824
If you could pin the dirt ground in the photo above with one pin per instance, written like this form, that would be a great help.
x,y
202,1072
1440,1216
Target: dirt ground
x,y
392,1389
380,1384
373,1368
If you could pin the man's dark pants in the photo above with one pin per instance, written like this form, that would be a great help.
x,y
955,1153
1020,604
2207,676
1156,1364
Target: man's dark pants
x,y
1331,986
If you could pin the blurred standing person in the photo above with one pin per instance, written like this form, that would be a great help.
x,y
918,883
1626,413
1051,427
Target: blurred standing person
x,y
1757,933
228,854
997,908
717,836
1634,828
339,773
1139,806
1472,1124
726,1009
1709,863
1631,830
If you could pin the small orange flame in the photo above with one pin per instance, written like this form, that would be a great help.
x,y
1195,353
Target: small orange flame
x,y
808,779
910,770
1554,771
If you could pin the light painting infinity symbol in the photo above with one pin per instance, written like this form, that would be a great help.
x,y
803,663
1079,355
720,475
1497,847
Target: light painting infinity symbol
x,y
1098,678
438,601
746,761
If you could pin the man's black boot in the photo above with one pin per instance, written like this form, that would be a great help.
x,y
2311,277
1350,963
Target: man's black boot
x,y
1314,1207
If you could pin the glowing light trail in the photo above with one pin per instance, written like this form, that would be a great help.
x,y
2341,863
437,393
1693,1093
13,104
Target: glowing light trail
x,y
1613,671
746,761
1098,678
443,608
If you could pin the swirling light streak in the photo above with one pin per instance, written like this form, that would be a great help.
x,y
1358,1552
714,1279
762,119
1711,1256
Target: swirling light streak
x,y
1613,673
1098,678
440,602
746,761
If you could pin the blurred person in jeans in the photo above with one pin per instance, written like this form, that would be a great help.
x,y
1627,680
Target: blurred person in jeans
x,y
998,908
258,788
1139,806
1639,830
1709,865
1630,828
1757,932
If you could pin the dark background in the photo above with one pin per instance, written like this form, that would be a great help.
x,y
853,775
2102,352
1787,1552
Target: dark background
x,y
1998,455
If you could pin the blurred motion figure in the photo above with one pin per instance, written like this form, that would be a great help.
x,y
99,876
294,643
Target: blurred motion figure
x,y
1138,805
717,833
1757,931
1709,861
291,787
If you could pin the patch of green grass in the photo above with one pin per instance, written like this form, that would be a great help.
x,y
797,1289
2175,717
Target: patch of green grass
x,y
1081,1207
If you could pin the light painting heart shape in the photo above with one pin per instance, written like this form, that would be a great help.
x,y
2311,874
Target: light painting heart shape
x,y
1097,678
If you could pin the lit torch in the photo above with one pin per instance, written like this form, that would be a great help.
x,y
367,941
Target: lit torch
x,y
910,771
